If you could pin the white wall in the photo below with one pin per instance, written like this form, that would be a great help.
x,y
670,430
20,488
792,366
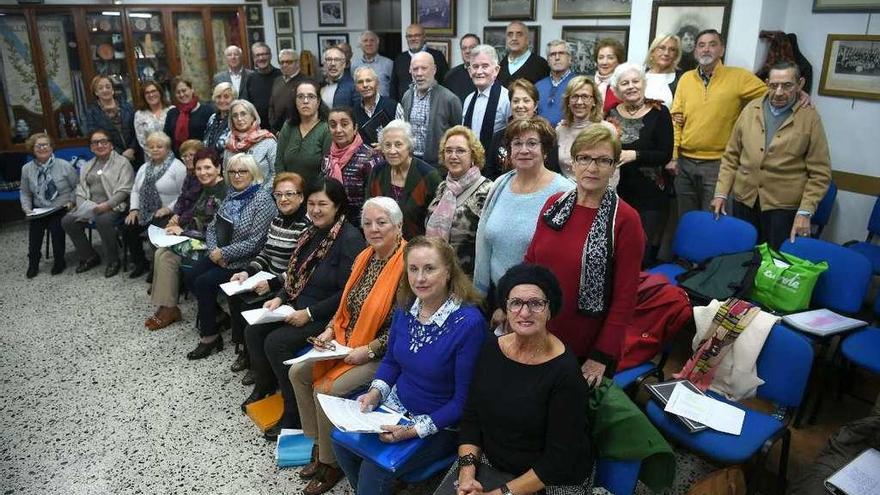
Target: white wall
x,y
355,24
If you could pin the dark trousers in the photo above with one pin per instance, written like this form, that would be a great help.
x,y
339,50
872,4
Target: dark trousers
x,y
132,235
268,347
243,302
204,281
105,223
773,226
653,222
36,229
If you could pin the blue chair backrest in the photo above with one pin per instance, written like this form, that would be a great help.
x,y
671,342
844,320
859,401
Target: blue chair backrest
x,y
784,365
842,287
874,221
823,209
76,156
699,236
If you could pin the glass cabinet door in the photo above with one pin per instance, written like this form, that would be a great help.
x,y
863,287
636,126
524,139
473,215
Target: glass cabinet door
x,y
107,49
64,76
192,52
226,30
18,81
151,57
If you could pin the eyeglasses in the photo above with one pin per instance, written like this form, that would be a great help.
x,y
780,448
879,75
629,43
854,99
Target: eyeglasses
x,y
287,194
455,151
587,160
786,86
530,144
42,146
334,59
306,97
515,305
100,142
584,98
238,173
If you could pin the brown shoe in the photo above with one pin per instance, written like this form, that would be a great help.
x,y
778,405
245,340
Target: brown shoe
x,y
325,480
311,468
164,316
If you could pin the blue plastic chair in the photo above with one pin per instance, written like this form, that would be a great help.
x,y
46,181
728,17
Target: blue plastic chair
x,y
699,237
631,379
784,364
391,456
868,248
862,348
618,477
823,211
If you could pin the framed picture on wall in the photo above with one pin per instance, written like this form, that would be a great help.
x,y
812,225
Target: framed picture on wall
x,y
285,43
846,5
331,12
280,3
573,9
436,16
512,10
255,34
851,67
283,21
326,40
254,14
496,36
583,39
686,19
443,46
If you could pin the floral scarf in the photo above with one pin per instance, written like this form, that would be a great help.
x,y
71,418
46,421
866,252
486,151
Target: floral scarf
x,y
298,274
241,142
150,199
440,222
46,187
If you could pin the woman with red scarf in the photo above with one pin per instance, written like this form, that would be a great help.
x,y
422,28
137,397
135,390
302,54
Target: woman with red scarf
x,y
189,118
245,136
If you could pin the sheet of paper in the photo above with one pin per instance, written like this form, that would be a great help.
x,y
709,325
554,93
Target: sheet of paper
x,y
85,210
861,476
711,412
233,288
36,212
263,315
346,415
316,354
159,238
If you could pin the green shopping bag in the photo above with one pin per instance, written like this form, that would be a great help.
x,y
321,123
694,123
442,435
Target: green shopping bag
x,y
784,282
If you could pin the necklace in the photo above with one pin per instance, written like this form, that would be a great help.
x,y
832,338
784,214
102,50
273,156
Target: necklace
x,y
633,109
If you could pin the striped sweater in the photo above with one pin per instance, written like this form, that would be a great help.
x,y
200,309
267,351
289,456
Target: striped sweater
x,y
282,237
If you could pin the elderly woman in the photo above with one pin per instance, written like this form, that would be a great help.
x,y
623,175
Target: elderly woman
x,y
192,187
593,242
217,128
316,276
523,105
304,139
237,234
246,137
361,322
156,188
151,115
435,337
104,185
46,182
522,421
663,73
514,202
608,53
288,190
350,160
646,137
113,115
582,107
189,118
407,179
192,223
455,211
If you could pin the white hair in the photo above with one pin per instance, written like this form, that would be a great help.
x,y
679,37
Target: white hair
x,y
363,68
232,48
398,125
622,69
388,205
488,50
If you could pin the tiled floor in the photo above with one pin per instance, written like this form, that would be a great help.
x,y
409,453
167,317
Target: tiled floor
x,y
93,403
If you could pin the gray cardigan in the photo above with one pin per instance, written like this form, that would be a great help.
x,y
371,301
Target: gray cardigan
x,y
117,179
445,112
65,180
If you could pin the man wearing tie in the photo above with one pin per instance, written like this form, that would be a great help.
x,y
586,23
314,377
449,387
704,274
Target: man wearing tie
x,y
488,108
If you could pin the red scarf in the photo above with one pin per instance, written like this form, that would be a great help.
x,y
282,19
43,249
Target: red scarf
x,y
339,157
240,142
181,130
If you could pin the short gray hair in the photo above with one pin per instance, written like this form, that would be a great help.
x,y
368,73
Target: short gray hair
x,y
232,48
386,204
485,50
368,33
558,42
248,161
158,136
398,125
363,68
622,69
223,87
251,109
289,51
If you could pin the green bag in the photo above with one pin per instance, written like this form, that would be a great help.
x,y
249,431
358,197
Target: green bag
x,y
784,282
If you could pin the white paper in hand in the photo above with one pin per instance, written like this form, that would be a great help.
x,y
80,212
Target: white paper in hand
x,y
85,210
263,315
346,415
160,238
711,412
233,288
316,354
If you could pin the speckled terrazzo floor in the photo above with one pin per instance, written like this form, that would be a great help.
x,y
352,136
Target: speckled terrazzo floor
x,y
93,403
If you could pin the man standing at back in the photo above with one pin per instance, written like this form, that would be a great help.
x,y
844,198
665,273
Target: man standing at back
x,y
487,109
550,88
458,80
400,76
337,88
281,103
707,103
260,83
382,66
520,61
235,72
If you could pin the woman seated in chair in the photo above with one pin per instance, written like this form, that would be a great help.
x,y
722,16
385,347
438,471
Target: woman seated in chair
x,y
524,426
435,337
316,275
361,322
192,187
192,224
237,234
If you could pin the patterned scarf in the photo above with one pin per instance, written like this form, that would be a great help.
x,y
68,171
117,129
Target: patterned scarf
x,y
45,181
594,291
440,222
150,199
240,142
181,128
298,276
235,202
339,157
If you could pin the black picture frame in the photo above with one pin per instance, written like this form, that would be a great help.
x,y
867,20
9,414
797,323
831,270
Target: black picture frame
x,y
686,19
512,10
438,17
582,40
496,36
331,13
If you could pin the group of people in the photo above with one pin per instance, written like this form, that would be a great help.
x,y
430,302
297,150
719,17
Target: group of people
x,y
489,238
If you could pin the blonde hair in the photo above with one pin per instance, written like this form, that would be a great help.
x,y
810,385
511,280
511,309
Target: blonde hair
x,y
660,39
223,87
459,284
576,84
478,154
593,136
32,141
246,160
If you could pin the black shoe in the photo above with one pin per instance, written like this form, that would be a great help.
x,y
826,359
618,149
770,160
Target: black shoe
x,y
32,270
272,433
204,350
249,378
58,267
256,395
88,264
138,270
112,269
242,362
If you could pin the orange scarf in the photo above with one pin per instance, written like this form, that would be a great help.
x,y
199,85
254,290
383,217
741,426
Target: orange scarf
x,y
376,308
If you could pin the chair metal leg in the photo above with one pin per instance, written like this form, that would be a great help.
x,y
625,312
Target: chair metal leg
x,y
48,241
782,474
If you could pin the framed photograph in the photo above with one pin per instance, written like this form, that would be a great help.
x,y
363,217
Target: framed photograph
x,y
436,16
326,40
283,21
583,39
285,43
280,3
846,5
254,15
574,9
851,67
496,36
512,10
331,12
686,19
255,34
443,46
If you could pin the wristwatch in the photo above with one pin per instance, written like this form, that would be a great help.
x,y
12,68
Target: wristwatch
x,y
370,353
505,490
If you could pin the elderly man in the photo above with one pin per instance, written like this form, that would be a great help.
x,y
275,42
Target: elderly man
x,y
261,82
371,103
337,88
428,107
776,161
382,66
487,109
235,72
707,102
400,75
520,61
281,103
550,88
458,80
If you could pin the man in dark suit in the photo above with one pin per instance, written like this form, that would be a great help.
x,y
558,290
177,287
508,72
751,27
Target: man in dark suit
x,y
235,73
281,103
521,61
458,80
337,88
371,102
400,76
260,83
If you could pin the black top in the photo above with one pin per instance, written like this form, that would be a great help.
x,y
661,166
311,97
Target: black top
x,y
198,122
259,89
534,69
459,82
400,77
651,136
529,416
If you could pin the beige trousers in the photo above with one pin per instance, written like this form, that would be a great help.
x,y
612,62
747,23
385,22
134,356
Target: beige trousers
x,y
165,277
314,422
